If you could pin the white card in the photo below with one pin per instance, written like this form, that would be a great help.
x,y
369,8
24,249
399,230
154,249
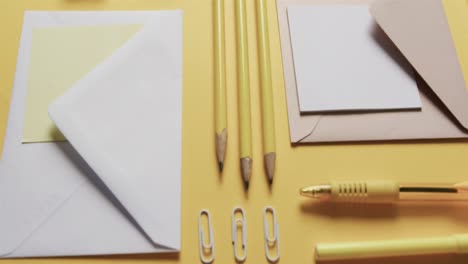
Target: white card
x,y
343,62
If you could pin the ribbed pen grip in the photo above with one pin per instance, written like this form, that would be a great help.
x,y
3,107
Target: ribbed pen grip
x,y
376,191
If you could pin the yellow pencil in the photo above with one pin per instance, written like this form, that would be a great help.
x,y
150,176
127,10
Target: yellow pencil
x,y
220,84
268,119
244,92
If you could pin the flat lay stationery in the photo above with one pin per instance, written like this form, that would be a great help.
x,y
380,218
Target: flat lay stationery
x,y
47,205
409,30
358,110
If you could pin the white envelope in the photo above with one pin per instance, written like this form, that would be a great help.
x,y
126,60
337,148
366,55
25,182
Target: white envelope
x,y
52,203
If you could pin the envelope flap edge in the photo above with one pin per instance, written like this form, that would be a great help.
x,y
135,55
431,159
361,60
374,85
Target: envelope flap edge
x,y
419,28
158,219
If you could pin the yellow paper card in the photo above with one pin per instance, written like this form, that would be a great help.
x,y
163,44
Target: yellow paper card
x,y
457,16
60,56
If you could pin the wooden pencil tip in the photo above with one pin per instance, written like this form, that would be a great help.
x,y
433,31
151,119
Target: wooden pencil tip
x,y
220,166
246,170
221,141
270,161
246,185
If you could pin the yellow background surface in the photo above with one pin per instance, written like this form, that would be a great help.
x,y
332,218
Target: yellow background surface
x,y
302,222
457,15
60,56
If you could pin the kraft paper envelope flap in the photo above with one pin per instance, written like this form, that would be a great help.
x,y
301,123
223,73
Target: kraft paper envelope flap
x,y
124,119
433,121
47,191
421,31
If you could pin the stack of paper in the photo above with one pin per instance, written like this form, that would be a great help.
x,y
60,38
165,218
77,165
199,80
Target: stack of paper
x,y
116,188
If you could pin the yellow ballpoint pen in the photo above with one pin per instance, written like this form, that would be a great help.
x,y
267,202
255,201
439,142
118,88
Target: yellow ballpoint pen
x,y
385,191
220,84
268,120
244,92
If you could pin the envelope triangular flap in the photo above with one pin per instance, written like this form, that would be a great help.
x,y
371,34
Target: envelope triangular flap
x,y
18,190
419,28
124,118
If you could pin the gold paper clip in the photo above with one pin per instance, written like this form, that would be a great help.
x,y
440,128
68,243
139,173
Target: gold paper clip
x,y
242,223
274,240
205,247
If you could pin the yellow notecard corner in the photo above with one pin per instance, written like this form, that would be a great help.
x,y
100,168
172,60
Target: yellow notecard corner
x,y
60,56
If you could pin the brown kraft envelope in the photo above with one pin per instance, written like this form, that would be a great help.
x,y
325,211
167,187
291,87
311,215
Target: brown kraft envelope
x,y
420,30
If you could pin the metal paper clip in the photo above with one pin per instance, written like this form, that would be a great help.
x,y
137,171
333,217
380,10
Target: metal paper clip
x,y
274,241
207,247
243,224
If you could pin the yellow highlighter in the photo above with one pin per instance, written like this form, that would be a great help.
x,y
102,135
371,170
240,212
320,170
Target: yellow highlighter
x,y
457,244
268,120
220,84
244,92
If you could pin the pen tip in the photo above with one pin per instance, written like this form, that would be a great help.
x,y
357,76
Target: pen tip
x,y
317,191
221,166
303,191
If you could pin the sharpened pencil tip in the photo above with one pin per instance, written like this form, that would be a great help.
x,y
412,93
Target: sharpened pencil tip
x,y
270,165
246,185
221,166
